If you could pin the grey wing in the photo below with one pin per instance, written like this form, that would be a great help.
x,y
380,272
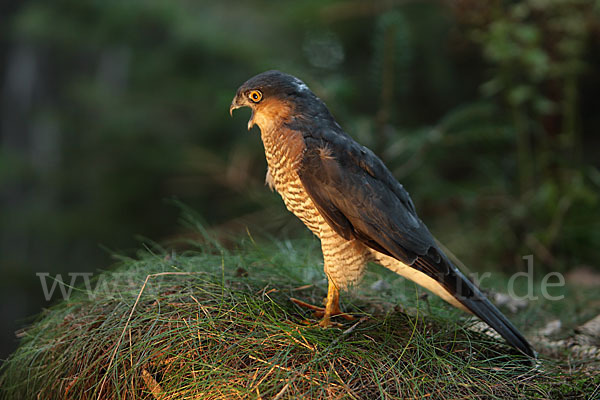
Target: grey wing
x,y
360,199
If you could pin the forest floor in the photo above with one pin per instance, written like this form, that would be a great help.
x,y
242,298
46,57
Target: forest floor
x,y
218,323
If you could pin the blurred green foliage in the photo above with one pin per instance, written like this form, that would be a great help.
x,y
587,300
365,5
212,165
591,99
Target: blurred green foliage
x,y
487,112
538,53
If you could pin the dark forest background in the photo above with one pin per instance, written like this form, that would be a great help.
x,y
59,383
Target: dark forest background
x,y
112,113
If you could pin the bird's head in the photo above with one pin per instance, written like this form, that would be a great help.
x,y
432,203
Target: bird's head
x,y
273,97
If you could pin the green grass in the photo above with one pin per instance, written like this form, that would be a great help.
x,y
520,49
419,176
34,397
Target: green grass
x,y
218,324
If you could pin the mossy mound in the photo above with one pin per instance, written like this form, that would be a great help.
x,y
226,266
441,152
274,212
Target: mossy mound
x,y
219,324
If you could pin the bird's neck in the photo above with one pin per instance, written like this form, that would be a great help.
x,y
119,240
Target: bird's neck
x,y
283,146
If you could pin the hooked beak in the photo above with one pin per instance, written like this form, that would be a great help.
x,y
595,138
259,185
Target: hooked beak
x,y
235,104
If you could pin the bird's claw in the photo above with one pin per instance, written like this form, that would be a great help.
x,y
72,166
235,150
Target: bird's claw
x,y
321,312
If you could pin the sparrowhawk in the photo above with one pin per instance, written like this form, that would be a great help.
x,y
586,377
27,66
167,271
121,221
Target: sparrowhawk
x,y
349,199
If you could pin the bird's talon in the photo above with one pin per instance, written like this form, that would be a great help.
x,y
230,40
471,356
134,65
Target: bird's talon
x,y
320,312
328,323
303,304
347,317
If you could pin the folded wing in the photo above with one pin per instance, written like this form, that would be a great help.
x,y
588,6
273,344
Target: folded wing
x,y
358,196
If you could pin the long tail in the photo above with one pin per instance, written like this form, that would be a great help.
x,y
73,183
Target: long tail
x,y
479,305
469,298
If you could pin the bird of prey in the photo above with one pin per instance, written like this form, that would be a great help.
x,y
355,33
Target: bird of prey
x,y
349,199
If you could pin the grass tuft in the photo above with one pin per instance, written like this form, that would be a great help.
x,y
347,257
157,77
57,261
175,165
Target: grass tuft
x,y
219,324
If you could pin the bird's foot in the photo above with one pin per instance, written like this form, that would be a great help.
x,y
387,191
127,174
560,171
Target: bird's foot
x,y
322,312
326,322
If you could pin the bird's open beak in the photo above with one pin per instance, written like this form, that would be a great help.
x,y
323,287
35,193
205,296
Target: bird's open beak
x,y
235,104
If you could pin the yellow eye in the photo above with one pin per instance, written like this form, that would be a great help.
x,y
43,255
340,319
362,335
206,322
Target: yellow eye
x,y
255,96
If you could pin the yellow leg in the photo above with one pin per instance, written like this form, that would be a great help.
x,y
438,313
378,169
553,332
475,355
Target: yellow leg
x,y
332,307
